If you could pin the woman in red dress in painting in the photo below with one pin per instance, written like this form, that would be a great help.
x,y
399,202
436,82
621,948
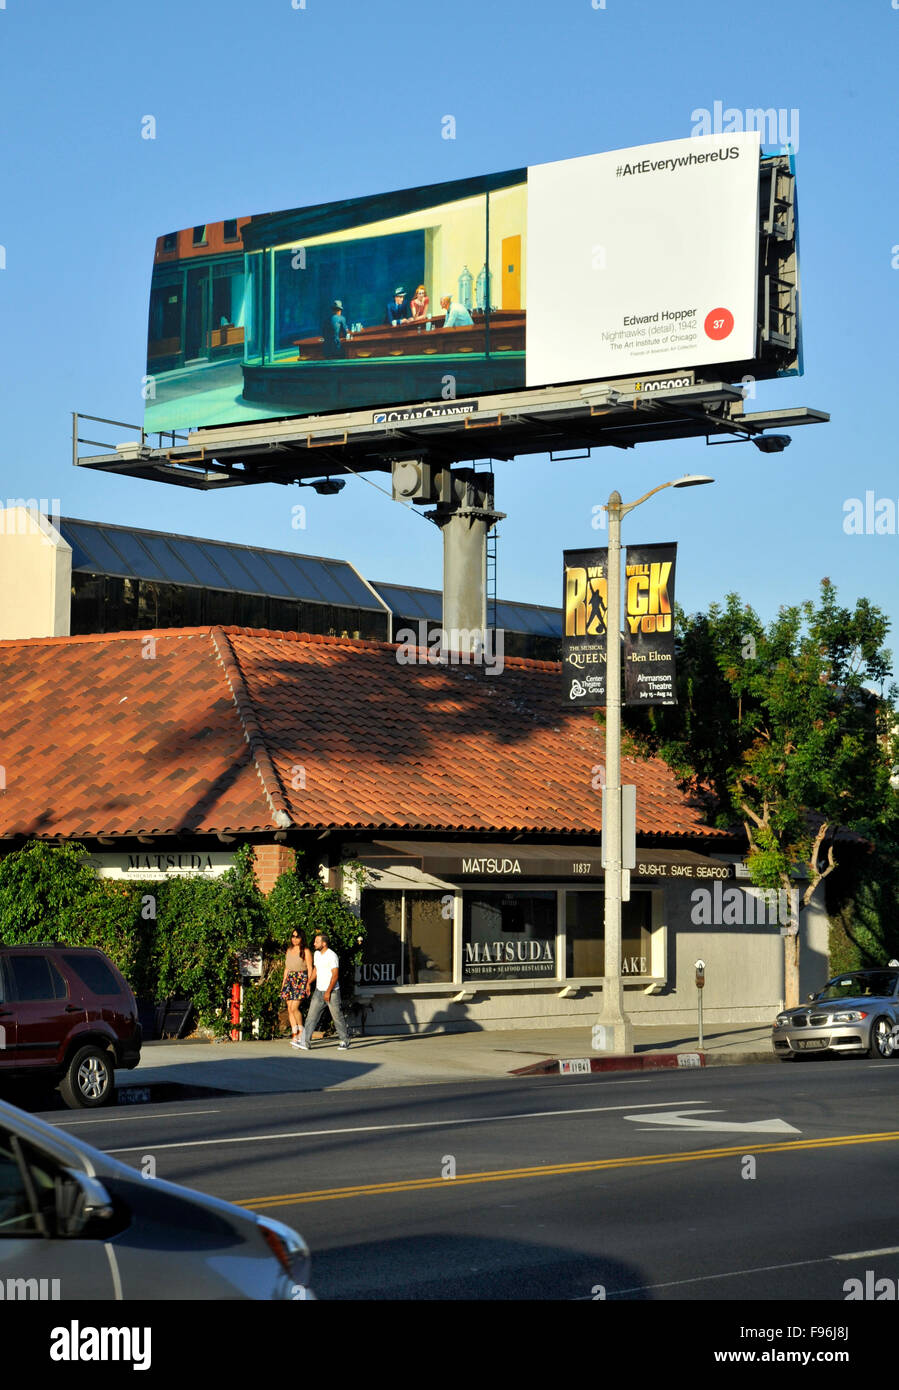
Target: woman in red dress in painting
x,y
419,305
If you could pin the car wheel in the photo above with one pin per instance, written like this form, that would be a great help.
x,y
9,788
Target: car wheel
x,y
881,1040
89,1080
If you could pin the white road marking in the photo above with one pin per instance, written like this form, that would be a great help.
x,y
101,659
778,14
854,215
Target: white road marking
x,y
867,1254
693,1122
369,1129
119,1119
705,1278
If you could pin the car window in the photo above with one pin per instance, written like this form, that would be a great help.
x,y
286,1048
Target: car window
x,y
35,977
864,985
93,972
16,1214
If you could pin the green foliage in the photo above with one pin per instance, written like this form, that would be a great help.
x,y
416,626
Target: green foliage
x,y
774,723
202,926
53,894
863,905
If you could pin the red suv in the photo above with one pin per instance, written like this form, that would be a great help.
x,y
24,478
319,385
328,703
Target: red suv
x,y
66,1012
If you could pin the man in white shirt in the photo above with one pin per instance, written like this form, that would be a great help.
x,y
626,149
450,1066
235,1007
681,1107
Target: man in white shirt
x,y
325,973
456,315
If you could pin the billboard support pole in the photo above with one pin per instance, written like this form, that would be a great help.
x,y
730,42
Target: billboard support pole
x,y
465,521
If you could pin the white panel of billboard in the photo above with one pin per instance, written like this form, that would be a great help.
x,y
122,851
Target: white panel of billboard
x,y
644,259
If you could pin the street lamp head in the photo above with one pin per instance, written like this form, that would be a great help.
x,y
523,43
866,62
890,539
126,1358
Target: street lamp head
x,y
692,480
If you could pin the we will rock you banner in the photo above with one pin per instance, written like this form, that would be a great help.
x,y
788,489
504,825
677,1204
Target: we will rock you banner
x,y
584,603
649,675
649,669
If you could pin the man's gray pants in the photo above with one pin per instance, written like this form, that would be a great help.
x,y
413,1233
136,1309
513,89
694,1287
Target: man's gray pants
x,y
319,1003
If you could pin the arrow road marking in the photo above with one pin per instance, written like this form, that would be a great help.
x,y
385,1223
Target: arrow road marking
x,y
674,1118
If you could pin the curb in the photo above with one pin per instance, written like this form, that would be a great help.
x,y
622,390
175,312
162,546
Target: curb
x,y
580,1066
156,1091
650,1061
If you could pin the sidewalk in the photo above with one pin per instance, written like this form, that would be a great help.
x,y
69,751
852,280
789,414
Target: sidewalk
x,y
372,1061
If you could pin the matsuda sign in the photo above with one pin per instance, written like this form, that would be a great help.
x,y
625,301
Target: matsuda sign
x,y
161,864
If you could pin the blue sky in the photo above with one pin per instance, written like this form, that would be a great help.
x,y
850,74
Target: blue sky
x,y
264,106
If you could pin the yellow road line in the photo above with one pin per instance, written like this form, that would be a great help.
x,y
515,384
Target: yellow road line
x,y
376,1189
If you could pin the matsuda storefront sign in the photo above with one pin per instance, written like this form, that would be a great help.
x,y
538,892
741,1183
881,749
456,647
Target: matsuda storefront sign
x,y
648,579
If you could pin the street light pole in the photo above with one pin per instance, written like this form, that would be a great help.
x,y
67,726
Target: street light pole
x,y
617,1036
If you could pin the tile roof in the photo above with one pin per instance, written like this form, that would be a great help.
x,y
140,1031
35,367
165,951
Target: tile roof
x,y
235,730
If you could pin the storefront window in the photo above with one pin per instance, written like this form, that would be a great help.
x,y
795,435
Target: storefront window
x,y
382,954
429,938
508,936
409,938
585,935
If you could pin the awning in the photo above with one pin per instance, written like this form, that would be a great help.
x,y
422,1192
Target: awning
x,y
474,859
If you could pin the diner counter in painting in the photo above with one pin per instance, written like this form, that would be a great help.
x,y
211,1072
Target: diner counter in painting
x,y
413,338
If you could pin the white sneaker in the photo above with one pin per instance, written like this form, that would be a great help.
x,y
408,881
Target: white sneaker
x,y
303,1046
342,1047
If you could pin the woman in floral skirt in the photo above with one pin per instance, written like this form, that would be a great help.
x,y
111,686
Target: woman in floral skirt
x,y
295,985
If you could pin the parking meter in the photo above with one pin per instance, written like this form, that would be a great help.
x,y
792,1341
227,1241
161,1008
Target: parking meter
x,y
700,986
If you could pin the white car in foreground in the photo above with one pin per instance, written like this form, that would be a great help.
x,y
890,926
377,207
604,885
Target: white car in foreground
x,y
81,1225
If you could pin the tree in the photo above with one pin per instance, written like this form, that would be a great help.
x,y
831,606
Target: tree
x,y
776,730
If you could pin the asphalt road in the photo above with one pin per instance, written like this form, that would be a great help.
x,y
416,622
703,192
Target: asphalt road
x,y
737,1183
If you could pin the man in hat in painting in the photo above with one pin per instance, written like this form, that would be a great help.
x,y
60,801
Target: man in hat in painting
x,y
398,309
338,331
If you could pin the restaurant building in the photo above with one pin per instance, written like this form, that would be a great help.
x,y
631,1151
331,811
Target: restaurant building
x,y
468,794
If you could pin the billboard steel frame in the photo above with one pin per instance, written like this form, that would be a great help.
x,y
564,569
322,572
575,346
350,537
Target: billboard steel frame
x,y
605,414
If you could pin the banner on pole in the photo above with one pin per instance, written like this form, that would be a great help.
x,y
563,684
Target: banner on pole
x,y
649,670
585,605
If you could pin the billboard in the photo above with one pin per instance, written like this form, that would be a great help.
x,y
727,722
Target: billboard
x,y
630,262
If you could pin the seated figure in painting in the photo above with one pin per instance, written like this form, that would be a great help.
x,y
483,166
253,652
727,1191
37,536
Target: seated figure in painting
x,y
334,340
457,316
420,303
398,309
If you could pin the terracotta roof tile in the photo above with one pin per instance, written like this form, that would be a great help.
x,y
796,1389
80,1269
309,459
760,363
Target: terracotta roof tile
x,y
232,729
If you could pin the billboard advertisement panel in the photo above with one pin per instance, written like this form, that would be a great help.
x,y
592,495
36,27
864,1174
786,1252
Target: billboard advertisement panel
x,y
641,260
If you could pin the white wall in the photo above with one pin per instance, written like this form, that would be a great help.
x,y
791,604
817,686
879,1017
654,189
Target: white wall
x,y
35,576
